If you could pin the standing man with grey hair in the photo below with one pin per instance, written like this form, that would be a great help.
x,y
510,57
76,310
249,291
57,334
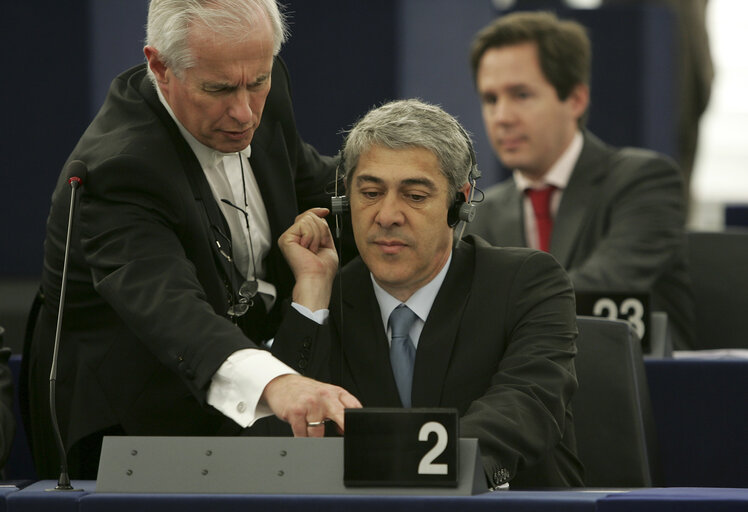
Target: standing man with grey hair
x,y
195,167
424,321
614,218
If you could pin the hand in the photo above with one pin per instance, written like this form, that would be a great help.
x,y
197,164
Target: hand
x,y
310,252
300,400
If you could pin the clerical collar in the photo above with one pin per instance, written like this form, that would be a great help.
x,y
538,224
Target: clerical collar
x,y
208,157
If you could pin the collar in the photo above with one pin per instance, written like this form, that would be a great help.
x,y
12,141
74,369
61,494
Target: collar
x,y
420,302
208,157
559,173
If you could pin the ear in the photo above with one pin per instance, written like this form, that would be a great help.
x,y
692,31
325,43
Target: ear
x,y
579,99
156,64
466,191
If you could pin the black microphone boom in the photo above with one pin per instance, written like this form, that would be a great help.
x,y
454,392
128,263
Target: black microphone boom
x,y
77,171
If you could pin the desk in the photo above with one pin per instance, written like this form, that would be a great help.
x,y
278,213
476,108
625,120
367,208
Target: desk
x,y
506,501
680,499
701,414
35,498
5,490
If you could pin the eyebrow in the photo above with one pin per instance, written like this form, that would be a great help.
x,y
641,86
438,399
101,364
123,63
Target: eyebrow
x,y
368,178
219,83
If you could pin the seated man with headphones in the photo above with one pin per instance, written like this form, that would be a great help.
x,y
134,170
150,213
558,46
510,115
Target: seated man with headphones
x,y
405,323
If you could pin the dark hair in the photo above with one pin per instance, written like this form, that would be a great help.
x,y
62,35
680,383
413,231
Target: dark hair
x,y
563,46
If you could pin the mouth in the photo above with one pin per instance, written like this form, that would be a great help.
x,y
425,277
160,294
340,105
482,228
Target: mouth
x,y
510,143
237,134
390,246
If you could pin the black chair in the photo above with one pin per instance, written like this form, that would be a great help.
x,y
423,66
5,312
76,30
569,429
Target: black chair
x,y
719,276
613,419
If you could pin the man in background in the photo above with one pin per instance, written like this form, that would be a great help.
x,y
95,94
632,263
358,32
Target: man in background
x,y
614,218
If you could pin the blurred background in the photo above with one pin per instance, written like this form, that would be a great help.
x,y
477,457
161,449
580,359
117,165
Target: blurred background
x,y
347,56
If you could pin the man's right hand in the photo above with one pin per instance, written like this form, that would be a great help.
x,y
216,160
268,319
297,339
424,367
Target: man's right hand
x,y
300,401
310,252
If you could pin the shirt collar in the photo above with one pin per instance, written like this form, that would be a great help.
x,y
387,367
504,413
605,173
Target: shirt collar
x,y
208,157
420,302
559,173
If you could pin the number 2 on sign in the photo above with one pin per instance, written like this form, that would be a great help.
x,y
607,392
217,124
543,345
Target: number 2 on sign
x,y
631,307
427,466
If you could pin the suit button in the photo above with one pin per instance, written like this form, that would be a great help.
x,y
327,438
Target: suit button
x,y
188,372
302,363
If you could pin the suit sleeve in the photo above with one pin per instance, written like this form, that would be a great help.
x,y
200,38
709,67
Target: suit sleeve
x,y
643,228
522,415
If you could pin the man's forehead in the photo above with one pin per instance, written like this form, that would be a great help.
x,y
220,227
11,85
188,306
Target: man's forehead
x,y
401,179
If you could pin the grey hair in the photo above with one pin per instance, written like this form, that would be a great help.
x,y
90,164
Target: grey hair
x,y
407,124
170,21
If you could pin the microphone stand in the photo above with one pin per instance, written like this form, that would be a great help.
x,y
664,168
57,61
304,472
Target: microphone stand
x,y
63,483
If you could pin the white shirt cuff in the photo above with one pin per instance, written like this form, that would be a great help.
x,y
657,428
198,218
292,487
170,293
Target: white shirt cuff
x,y
237,386
319,316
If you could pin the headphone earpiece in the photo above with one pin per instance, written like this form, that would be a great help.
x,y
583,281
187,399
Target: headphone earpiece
x,y
460,211
340,205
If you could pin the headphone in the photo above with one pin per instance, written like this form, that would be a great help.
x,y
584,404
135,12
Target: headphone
x,y
460,210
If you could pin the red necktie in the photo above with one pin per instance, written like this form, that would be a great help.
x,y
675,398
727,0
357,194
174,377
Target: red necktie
x,y
541,204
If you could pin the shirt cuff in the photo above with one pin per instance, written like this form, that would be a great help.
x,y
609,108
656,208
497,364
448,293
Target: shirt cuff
x,y
237,386
320,316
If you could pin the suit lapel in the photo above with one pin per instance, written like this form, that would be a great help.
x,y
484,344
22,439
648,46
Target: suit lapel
x,y
365,351
203,195
577,198
441,330
270,166
509,225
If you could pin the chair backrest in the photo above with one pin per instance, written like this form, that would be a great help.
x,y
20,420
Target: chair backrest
x,y
612,409
719,276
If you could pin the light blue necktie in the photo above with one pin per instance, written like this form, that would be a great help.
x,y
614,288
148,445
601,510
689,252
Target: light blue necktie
x,y
402,351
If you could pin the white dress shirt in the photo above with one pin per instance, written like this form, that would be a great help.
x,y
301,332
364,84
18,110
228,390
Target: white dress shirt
x,y
420,303
558,176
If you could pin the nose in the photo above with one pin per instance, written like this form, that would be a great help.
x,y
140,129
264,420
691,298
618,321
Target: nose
x,y
240,108
390,211
502,112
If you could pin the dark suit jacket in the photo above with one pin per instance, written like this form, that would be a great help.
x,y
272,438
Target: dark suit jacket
x,y
498,345
144,327
620,226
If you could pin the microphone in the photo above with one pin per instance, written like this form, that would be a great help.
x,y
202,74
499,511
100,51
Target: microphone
x,y
77,171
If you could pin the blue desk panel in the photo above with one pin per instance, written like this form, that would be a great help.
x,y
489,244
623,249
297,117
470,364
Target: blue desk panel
x,y
677,499
701,415
5,490
505,501
36,497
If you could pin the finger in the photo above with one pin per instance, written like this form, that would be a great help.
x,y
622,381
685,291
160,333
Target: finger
x,y
321,232
349,401
299,428
319,212
316,430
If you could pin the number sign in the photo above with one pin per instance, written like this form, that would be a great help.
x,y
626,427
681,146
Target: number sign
x,y
401,447
632,307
